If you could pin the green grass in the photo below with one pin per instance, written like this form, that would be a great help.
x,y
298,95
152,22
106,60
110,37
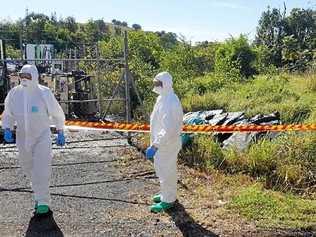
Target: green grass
x,y
287,163
293,96
275,210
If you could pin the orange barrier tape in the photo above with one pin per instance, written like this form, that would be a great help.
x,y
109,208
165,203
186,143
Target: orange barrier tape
x,y
195,128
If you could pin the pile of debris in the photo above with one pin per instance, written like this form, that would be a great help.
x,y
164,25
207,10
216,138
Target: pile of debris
x,y
238,140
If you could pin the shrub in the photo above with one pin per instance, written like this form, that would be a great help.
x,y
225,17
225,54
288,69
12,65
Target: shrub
x,y
234,57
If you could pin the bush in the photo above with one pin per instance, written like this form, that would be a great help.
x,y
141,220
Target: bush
x,y
13,53
205,54
234,57
208,83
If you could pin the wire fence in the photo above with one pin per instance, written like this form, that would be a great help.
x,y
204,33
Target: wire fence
x,y
90,88
84,88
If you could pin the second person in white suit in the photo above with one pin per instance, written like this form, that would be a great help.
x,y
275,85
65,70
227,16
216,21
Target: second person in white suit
x,y
165,129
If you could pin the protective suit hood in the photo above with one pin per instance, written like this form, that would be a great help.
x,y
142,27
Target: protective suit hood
x,y
167,83
31,69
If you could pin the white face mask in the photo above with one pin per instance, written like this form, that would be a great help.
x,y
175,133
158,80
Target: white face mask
x,y
157,89
25,82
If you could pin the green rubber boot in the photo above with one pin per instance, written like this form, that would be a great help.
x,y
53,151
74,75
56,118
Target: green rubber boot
x,y
42,209
162,206
156,198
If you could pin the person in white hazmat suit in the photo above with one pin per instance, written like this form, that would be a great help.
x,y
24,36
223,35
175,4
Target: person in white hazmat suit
x,y
165,128
32,107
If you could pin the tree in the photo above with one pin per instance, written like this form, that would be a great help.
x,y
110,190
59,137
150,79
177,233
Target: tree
x,y
237,56
118,30
93,31
270,32
298,47
289,41
181,62
124,23
12,52
168,39
70,24
35,27
136,27
205,53
302,25
11,32
102,27
116,22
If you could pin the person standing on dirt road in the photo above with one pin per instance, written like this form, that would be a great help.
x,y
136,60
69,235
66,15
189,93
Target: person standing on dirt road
x,y
165,128
31,106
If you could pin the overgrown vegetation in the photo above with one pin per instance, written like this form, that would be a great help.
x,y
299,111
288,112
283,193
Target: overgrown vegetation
x,y
274,163
292,95
287,162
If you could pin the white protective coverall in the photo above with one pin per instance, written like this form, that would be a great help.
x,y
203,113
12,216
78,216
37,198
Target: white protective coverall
x,y
166,125
31,107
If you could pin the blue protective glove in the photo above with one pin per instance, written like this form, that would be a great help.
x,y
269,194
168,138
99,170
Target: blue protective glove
x,y
8,137
150,152
60,139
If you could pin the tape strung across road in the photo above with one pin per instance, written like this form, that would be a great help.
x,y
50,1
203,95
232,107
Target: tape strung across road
x,y
135,127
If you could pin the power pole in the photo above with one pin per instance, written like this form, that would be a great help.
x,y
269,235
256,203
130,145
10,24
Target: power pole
x,y
97,70
4,70
127,86
127,81
21,43
25,19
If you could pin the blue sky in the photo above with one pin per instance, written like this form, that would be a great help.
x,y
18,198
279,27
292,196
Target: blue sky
x,y
197,20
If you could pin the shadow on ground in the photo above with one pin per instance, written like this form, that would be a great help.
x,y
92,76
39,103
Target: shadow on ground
x,y
186,223
43,226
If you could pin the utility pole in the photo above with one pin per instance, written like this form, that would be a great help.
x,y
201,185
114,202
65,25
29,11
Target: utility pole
x,y
25,19
21,42
127,86
127,82
4,70
98,79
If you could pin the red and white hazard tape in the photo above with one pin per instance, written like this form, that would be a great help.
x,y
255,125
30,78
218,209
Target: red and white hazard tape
x,y
134,127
